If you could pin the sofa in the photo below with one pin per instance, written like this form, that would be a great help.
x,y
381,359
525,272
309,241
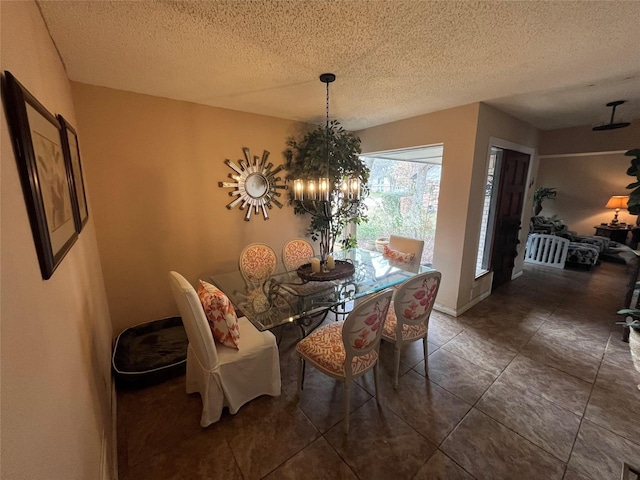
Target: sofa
x,y
582,250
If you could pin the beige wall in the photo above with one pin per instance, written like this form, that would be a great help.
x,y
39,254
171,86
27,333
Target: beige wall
x,y
153,166
465,132
586,168
585,140
56,334
456,129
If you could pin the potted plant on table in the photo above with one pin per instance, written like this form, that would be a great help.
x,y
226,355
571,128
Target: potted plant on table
x,y
632,321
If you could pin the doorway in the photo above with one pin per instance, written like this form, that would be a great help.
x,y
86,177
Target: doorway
x,y
512,186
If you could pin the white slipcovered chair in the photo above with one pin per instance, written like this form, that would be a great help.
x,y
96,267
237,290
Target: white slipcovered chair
x,y
222,375
408,317
410,246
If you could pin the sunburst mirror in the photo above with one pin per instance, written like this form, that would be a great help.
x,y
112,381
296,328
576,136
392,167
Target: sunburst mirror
x,y
255,184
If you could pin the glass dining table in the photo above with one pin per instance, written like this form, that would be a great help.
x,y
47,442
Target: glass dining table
x,y
296,296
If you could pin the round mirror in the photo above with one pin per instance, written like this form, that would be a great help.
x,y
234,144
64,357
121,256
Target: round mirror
x,y
256,185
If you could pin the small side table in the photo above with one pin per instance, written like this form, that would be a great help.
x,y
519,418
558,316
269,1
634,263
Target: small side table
x,y
617,234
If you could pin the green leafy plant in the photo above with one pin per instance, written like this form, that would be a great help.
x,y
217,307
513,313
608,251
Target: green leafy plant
x,y
633,205
307,160
632,319
541,194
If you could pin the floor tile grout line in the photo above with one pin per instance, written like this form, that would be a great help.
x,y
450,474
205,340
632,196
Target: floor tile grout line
x,y
521,435
518,352
582,417
506,426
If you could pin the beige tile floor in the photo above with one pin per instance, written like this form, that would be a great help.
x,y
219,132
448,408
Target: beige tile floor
x,y
532,383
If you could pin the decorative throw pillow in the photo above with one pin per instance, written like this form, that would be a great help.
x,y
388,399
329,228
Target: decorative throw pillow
x,y
221,315
397,257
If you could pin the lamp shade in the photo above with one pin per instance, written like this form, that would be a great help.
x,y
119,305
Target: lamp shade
x,y
617,201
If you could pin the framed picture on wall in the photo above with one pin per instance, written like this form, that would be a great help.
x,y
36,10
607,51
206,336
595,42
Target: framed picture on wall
x,y
45,174
72,155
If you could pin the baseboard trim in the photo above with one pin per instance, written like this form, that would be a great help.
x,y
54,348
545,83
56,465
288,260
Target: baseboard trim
x,y
443,309
114,430
459,311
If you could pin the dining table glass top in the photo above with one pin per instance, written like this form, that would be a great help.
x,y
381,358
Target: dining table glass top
x,y
286,297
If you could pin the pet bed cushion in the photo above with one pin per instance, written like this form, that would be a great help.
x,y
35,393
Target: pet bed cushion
x,y
150,353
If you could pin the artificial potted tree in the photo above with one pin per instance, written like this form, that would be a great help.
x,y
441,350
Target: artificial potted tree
x,y
539,196
328,152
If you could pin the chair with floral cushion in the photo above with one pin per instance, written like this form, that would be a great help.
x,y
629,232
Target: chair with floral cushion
x,y
404,252
296,252
258,262
408,317
229,362
349,349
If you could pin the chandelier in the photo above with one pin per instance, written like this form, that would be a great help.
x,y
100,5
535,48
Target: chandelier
x,y
328,199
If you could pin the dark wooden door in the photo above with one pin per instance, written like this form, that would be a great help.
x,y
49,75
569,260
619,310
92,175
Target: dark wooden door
x,y
511,192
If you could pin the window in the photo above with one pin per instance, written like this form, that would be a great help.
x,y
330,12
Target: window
x,y
403,199
488,212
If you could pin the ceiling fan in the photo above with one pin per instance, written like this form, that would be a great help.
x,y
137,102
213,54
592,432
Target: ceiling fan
x,y
611,125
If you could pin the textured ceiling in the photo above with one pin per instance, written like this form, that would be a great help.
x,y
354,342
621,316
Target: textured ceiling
x,y
552,64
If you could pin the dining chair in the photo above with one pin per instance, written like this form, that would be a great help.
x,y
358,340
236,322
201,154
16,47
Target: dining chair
x,y
258,262
404,252
296,252
408,317
224,376
349,349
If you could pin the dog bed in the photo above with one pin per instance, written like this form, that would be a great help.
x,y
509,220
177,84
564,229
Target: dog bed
x,y
150,353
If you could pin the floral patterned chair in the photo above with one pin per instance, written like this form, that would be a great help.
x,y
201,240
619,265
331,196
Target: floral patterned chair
x,y
408,317
349,349
296,252
258,262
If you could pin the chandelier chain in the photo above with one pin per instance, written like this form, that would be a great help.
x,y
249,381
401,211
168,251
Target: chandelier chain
x,y
327,130
327,111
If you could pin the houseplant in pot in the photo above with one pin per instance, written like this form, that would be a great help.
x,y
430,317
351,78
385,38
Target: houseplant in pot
x,y
632,320
332,152
633,204
539,195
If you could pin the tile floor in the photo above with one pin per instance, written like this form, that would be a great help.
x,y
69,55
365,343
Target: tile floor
x,y
532,383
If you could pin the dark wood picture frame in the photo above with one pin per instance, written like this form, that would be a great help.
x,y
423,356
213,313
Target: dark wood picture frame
x,y
72,155
44,172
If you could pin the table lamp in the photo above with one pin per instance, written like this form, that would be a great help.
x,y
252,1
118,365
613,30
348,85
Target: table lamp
x,y
617,202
